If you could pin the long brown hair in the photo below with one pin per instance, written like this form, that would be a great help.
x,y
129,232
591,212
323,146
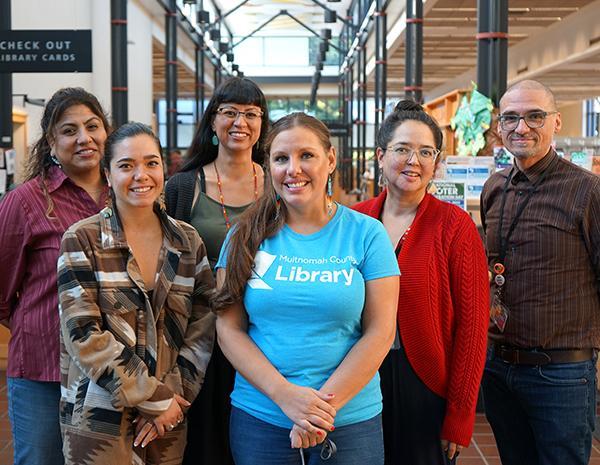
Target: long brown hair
x,y
40,161
263,219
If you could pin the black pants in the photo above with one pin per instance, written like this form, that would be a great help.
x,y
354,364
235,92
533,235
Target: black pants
x,y
412,415
208,417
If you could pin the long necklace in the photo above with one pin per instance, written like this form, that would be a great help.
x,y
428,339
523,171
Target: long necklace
x,y
222,200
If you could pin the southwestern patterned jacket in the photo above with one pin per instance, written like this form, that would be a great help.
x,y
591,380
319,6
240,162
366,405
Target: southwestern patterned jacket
x,y
122,354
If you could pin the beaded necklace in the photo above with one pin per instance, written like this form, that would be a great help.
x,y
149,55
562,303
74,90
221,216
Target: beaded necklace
x,y
222,200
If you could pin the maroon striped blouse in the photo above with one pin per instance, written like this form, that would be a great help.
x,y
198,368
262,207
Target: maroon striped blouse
x,y
29,249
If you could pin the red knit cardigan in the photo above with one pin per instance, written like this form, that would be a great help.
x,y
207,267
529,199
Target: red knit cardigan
x,y
443,309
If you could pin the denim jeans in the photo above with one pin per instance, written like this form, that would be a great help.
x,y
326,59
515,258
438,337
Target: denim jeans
x,y
33,412
541,415
255,442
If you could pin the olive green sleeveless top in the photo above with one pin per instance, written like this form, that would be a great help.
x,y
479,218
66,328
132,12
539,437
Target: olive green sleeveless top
x,y
207,218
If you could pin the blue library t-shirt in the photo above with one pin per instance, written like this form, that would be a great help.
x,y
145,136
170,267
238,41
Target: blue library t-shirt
x,y
304,302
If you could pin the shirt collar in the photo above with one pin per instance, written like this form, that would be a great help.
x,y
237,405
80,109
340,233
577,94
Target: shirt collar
x,y
534,172
113,236
55,178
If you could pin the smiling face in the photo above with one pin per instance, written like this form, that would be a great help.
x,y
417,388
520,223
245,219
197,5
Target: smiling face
x,y
240,133
300,166
78,140
136,173
408,175
526,144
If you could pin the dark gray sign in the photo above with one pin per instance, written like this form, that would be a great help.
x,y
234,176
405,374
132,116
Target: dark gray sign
x,y
57,51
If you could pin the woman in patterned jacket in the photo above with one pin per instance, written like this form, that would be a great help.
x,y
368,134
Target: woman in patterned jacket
x,y
136,330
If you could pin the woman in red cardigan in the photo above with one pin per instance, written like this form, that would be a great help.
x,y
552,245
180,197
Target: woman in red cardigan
x,y
430,379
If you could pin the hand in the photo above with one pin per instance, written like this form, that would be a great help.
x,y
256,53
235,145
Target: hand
x,y
183,404
145,431
451,448
169,419
300,438
306,407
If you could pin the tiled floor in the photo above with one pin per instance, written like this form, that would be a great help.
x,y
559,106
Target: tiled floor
x,y
481,452
483,449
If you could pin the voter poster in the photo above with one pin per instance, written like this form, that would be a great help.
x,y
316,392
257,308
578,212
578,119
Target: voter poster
x,y
451,191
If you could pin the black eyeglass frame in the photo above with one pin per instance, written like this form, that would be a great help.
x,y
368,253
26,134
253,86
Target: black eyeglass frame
x,y
517,119
259,113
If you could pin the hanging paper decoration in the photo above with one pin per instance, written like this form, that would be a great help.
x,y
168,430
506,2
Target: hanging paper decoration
x,y
471,121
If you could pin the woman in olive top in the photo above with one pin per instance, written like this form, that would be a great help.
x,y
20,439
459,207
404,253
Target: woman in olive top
x,y
222,176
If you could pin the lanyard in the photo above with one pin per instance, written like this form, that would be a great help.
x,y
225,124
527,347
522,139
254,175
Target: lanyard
x,y
503,241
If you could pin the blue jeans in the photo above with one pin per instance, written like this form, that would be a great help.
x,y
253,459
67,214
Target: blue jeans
x,y
541,415
33,412
255,442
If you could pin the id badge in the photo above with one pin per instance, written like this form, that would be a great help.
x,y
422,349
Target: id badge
x,y
498,312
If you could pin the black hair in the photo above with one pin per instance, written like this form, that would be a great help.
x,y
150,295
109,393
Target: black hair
x,y
407,110
234,90
40,161
125,132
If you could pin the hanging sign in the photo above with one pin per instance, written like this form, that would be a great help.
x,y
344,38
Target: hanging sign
x,y
55,51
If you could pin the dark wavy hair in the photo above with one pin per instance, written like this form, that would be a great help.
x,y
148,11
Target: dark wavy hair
x,y
234,90
261,220
39,160
407,110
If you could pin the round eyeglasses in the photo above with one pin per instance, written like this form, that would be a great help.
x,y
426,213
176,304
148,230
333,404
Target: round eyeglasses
x,y
533,119
424,154
233,113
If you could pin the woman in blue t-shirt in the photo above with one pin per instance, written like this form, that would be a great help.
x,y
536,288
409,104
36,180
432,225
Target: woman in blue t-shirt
x,y
306,312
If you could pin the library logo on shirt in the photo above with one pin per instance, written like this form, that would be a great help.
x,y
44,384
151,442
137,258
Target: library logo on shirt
x,y
262,262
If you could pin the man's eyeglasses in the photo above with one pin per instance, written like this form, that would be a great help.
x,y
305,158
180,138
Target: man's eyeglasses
x,y
232,113
425,154
533,119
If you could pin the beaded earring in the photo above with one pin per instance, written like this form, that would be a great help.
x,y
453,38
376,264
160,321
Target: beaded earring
x,y
55,160
161,202
329,195
277,206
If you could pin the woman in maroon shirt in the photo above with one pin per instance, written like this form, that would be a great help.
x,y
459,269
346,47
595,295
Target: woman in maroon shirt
x,y
63,185
430,378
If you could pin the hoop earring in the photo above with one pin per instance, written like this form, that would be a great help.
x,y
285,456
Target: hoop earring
x,y
329,195
215,140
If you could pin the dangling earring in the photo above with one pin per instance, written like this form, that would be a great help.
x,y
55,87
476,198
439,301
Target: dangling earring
x,y
55,160
108,204
161,202
381,180
329,195
429,184
257,145
215,140
277,206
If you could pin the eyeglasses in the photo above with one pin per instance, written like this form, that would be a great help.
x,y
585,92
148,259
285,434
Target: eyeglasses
x,y
425,154
533,119
232,113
